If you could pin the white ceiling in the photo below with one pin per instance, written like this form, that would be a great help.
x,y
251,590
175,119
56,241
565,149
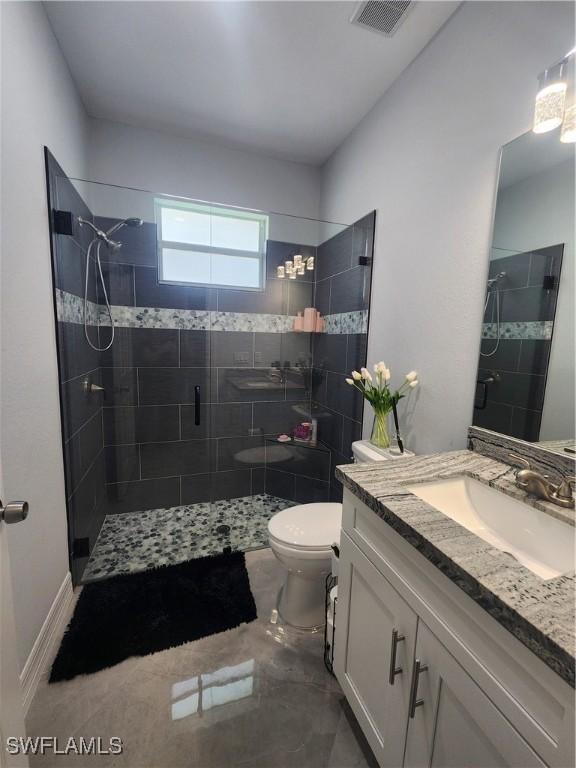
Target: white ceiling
x,y
291,79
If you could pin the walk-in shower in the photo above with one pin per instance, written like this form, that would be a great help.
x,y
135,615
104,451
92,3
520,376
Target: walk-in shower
x,y
171,452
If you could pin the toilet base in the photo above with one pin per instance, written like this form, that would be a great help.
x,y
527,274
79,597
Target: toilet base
x,y
301,601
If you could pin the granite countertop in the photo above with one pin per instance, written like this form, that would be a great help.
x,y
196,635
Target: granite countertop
x,y
540,613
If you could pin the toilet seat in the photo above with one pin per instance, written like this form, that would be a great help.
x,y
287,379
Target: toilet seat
x,y
307,527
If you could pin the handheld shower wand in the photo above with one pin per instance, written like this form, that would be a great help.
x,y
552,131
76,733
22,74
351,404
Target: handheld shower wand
x,y
99,238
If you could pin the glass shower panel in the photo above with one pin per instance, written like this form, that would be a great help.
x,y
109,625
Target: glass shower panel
x,y
171,431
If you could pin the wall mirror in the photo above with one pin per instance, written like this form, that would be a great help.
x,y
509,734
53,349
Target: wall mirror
x,y
525,382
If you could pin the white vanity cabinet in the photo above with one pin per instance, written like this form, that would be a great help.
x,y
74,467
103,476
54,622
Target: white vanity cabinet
x,y
378,630
432,678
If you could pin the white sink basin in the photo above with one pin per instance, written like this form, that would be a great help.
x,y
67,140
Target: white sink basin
x,y
538,541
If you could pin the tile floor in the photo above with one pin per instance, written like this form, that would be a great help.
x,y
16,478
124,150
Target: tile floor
x,y
255,696
135,541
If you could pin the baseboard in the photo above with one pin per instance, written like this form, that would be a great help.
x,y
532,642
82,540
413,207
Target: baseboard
x,y
45,645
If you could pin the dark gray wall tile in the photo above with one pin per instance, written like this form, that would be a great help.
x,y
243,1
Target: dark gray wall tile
x,y
239,453
309,491
357,351
351,431
78,406
122,463
343,398
185,457
140,347
119,282
148,424
322,296
91,442
534,355
232,349
350,291
334,255
300,295
329,352
272,301
277,418
279,484
250,384
527,304
517,268
496,416
167,386
142,495
75,355
152,293
506,356
120,386
525,424
195,349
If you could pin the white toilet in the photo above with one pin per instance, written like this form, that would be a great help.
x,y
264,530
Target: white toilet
x,y
301,537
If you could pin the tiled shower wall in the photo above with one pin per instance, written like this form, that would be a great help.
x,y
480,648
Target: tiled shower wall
x,y
81,411
528,296
342,293
236,345
134,445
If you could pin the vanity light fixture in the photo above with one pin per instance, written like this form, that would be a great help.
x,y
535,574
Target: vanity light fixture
x,y
296,266
554,104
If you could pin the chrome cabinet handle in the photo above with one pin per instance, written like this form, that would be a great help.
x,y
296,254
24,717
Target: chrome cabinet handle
x,y
394,670
414,700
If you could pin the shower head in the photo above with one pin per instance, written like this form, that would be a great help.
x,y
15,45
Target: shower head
x,y
131,222
494,280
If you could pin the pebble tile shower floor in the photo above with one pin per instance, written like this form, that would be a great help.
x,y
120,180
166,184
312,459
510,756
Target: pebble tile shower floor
x,y
136,541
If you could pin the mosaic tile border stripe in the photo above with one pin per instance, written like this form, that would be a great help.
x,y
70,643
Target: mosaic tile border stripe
x,y
347,322
536,329
70,309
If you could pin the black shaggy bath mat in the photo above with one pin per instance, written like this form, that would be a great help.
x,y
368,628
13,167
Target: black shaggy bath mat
x,y
141,613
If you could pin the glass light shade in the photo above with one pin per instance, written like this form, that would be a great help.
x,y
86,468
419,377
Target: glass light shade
x,y
568,132
549,108
288,265
280,271
301,269
292,275
297,260
310,263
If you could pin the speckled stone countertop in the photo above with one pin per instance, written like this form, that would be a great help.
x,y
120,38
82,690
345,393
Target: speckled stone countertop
x,y
540,613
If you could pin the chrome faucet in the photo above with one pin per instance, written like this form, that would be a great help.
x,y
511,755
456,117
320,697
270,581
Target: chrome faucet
x,y
532,481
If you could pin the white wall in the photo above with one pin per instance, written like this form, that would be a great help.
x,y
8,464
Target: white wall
x,y
161,163
39,106
426,158
534,213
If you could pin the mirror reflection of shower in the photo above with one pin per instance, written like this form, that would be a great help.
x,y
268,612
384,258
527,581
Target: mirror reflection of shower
x,y
492,290
114,245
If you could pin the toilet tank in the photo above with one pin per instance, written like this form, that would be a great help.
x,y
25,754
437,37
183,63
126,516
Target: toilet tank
x,y
364,452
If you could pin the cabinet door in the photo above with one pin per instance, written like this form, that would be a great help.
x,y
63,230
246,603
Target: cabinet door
x,y
456,725
369,611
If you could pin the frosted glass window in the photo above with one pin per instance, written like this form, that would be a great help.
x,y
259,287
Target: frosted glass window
x,y
186,266
209,245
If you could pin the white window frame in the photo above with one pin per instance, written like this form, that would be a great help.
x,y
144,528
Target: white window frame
x,y
214,210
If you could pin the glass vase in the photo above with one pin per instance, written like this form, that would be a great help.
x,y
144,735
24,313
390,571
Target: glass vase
x,y
380,437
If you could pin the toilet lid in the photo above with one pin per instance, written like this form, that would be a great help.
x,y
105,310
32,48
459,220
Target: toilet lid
x,y
308,525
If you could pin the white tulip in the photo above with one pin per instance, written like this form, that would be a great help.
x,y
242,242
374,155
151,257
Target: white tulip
x,y
366,374
356,376
413,383
350,381
387,374
411,376
380,367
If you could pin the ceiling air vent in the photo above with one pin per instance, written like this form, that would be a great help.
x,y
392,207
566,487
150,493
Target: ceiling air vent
x,y
383,17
